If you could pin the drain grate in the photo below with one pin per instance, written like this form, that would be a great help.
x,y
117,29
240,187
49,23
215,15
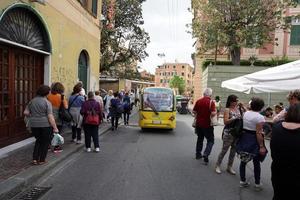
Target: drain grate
x,y
34,193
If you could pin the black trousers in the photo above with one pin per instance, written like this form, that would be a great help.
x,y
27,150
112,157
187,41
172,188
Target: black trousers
x,y
114,122
91,131
43,138
76,133
208,134
126,117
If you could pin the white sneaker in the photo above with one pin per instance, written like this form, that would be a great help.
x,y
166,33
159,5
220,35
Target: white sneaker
x,y
258,187
218,170
78,142
231,171
244,184
88,150
97,149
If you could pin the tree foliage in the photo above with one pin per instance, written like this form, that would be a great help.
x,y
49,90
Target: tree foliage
x,y
125,42
237,23
177,82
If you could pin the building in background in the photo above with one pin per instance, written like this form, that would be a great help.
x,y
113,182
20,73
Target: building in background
x,y
284,44
147,76
44,41
164,73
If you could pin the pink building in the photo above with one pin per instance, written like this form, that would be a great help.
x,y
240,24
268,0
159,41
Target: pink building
x,y
164,73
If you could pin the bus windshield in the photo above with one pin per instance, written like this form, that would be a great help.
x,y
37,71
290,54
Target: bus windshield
x,y
158,99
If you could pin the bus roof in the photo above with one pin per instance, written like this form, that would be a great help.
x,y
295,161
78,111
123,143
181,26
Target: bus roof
x,y
158,88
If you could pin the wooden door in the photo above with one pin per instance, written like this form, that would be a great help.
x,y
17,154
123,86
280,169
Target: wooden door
x,y
21,73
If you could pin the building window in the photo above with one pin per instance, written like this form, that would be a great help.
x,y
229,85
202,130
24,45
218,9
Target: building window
x,y
161,80
174,67
95,7
295,35
182,66
182,74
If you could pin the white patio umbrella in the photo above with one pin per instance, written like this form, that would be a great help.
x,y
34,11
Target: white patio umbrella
x,y
275,79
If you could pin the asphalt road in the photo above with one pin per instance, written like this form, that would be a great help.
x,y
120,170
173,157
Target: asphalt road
x,y
152,165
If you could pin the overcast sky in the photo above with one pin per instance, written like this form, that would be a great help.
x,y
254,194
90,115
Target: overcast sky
x,y
165,21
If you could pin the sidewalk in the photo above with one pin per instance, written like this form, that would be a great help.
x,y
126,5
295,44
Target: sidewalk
x,y
17,172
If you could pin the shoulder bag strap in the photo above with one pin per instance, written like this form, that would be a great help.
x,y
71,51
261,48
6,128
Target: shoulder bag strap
x,y
72,102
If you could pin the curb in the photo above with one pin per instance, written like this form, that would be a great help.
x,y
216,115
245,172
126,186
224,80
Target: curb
x,y
16,184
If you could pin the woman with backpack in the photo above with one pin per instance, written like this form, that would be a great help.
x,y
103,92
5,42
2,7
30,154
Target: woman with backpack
x,y
127,108
92,116
115,110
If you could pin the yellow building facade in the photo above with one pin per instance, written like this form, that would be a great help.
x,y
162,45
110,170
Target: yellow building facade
x,y
42,42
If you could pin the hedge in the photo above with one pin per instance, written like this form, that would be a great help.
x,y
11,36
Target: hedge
x,y
270,63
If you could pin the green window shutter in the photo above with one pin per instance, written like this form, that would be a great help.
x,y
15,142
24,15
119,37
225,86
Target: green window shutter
x,y
95,7
295,35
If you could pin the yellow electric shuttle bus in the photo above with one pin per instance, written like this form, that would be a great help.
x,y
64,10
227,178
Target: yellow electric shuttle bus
x,y
157,108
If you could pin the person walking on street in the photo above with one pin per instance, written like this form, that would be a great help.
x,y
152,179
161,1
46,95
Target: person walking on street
x,y
285,150
251,144
42,123
106,102
218,106
92,107
204,109
132,99
75,102
57,98
115,111
127,108
231,113
98,98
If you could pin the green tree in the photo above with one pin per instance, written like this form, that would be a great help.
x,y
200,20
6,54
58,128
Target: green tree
x,y
237,23
124,42
177,82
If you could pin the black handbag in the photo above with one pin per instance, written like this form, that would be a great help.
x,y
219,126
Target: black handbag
x,y
236,129
64,113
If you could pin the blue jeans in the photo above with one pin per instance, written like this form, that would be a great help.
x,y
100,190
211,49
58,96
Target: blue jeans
x,y
256,165
208,134
91,131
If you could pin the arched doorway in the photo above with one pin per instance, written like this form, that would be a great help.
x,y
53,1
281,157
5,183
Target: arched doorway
x,y
22,37
83,68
